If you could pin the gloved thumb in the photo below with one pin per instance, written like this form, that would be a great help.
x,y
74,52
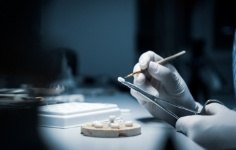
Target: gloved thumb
x,y
187,123
214,108
181,125
170,79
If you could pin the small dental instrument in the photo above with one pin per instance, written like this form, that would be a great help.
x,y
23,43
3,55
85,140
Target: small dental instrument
x,y
161,102
163,61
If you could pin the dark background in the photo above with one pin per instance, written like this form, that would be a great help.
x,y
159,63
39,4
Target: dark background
x,y
100,40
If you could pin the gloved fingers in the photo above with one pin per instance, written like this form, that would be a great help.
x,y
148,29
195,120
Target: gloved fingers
x,y
146,57
214,108
137,68
187,124
141,82
156,84
169,78
139,78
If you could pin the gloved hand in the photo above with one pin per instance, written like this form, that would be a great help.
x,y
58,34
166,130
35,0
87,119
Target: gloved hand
x,y
161,81
216,130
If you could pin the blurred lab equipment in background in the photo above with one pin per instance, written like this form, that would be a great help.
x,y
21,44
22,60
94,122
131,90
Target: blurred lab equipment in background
x,y
204,76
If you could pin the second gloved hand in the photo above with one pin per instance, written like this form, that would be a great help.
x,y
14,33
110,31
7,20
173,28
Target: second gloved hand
x,y
215,130
161,81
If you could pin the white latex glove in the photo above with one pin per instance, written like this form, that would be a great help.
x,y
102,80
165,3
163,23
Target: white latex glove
x,y
161,81
216,130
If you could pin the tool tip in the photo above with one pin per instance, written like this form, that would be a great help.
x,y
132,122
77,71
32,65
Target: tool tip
x,y
182,52
120,79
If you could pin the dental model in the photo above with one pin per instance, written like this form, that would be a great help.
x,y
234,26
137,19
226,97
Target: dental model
x,y
112,127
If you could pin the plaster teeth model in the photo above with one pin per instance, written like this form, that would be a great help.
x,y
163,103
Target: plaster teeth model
x,y
111,128
128,123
